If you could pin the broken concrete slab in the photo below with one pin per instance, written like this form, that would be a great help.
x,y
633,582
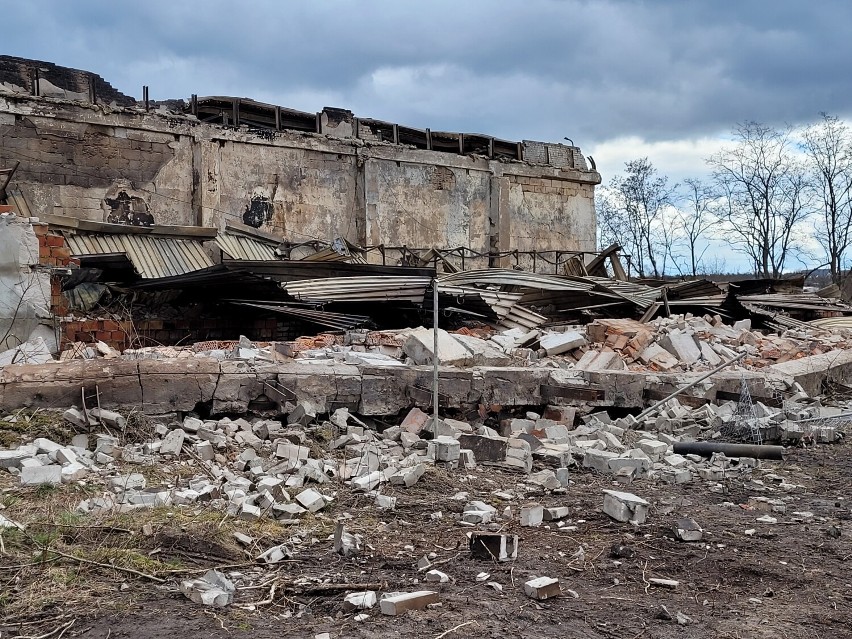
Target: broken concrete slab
x,y
39,475
419,346
493,546
625,507
397,603
213,589
558,343
542,588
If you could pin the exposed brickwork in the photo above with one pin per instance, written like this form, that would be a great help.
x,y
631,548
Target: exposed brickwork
x,y
563,188
91,156
123,334
21,72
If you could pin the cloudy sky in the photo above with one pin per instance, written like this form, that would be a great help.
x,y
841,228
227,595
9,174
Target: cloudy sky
x,y
623,79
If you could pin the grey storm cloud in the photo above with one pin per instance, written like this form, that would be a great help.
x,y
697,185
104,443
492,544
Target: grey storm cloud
x,y
591,70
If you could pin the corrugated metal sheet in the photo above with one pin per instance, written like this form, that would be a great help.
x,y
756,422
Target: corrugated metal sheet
x,y
242,247
360,289
152,256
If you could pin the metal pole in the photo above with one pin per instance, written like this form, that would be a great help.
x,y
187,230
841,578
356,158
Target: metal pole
x,y
706,449
435,351
653,408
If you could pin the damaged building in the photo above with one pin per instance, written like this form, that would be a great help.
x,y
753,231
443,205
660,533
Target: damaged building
x,y
225,386
72,146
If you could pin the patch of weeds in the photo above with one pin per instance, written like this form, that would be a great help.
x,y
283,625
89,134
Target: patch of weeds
x,y
44,491
69,518
35,423
10,501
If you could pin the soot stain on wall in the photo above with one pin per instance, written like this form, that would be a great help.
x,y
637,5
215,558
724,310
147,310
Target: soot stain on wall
x,y
128,209
258,211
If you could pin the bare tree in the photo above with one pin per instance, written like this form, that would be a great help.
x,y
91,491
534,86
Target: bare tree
x,y
766,195
828,145
695,220
630,212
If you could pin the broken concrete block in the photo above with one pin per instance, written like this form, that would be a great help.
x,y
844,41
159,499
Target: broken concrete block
x,y
292,452
542,588
397,603
303,414
419,346
478,512
311,500
414,421
658,356
250,512
546,479
79,418
346,544
687,529
555,513
598,459
437,576
408,476
445,448
557,343
491,449
600,361
173,442
13,458
625,506
134,481
675,475
494,546
205,451
655,450
709,355
213,589
359,600
532,515
72,472
108,418
369,481
275,555
682,345
38,475
385,502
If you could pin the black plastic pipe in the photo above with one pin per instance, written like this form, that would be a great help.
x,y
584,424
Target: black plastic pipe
x,y
706,449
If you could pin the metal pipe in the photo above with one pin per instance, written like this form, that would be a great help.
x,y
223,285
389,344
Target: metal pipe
x,y
435,354
653,408
706,449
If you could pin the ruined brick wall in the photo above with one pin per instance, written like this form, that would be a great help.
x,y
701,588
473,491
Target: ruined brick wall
x,y
37,77
133,167
123,334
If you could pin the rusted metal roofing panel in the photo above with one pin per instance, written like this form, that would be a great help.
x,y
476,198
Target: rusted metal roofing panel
x,y
152,256
241,247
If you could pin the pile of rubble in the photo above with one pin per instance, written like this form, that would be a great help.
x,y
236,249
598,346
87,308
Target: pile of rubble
x,y
676,344
265,468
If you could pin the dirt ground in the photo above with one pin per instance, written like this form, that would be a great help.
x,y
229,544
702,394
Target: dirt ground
x,y
787,580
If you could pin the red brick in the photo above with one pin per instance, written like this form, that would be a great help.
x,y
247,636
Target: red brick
x,y
89,325
63,254
103,336
55,240
43,253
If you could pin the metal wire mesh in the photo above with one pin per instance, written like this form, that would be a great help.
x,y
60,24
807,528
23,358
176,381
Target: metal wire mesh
x,y
744,427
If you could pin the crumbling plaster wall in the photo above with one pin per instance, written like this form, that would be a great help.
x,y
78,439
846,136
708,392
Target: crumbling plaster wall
x,y
24,288
434,202
301,193
130,166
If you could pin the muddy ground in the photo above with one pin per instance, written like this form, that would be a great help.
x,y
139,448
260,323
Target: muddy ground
x,y
790,579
